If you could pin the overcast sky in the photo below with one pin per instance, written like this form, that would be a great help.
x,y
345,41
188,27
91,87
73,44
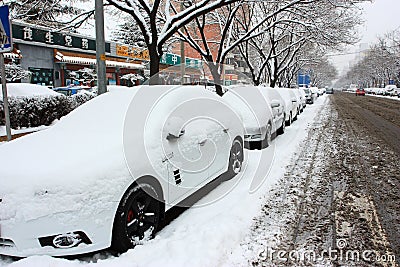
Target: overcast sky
x,y
380,16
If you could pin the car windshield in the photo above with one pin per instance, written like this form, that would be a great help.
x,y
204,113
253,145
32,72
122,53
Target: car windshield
x,y
64,92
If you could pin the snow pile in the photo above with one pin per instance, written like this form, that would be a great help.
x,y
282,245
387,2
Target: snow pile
x,y
27,90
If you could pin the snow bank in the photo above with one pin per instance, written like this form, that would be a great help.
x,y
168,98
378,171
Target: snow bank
x,y
23,130
27,90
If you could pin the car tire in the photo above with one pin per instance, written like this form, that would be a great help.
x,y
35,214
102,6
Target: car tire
x,y
268,137
289,122
137,218
281,130
236,158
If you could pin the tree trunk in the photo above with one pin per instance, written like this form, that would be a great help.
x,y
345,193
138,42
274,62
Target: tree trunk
x,y
154,66
217,79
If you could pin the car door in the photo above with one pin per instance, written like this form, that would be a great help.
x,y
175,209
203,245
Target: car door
x,y
277,106
191,156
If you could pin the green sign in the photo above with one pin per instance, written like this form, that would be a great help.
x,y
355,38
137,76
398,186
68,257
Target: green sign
x,y
29,33
174,59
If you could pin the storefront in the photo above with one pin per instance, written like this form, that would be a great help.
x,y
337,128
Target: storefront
x,y
171,72
59,59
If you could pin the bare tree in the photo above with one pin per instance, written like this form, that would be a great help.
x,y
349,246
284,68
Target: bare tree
x,y
272,55
236,23
159,20
379,65
53,13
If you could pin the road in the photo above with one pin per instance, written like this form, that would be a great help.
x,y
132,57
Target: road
x,y
341,192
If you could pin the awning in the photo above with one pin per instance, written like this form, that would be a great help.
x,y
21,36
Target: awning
x,y
92,61
13,55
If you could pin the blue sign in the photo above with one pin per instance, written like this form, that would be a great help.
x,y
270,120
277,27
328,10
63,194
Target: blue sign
x,y
5,30
303,80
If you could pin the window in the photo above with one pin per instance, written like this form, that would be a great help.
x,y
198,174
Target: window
x,y
41,76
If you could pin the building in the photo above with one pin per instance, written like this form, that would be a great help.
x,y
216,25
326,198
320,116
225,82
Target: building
x,y
57,58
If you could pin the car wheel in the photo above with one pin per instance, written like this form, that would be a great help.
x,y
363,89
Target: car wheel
x,y
268,137
289,122
137,218
235,159
281,130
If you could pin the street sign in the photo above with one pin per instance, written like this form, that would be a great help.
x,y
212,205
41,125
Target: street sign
x,y
5,46
5,30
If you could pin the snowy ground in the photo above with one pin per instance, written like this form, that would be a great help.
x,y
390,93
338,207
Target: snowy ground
x,y
211,234
386,96
20,131
380,96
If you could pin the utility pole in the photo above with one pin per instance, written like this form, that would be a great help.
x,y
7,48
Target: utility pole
x,y
100,48
183,59
6,45
5,97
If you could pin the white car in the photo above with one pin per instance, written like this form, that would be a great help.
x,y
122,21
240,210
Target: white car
x,y
105,174
390,90
260,118
291,104
300,100
303,95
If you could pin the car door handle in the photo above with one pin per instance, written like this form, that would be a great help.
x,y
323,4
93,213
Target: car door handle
x,y
167,157
202,142
226,130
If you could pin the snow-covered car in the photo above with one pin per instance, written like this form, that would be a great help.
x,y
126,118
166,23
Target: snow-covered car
x,y
291,105
27,90
378,91
72,90
314,91
390,90
278,108
299,101
129,155
257,112
329,90
303,97
310,96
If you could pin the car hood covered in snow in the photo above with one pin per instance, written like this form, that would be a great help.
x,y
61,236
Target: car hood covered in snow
x,y
85,145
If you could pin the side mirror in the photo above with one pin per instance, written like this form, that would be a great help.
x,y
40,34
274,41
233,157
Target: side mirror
x,y
275,103
174,128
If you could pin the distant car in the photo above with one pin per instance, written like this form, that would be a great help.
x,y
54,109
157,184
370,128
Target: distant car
x,y
390,90
141,159
352,88
360,91
321,91
311,96
329,90
72,90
